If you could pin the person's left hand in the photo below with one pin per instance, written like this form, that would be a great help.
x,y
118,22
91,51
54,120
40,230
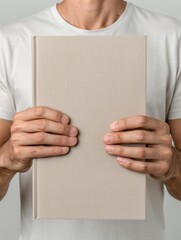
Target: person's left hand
x,y
157,151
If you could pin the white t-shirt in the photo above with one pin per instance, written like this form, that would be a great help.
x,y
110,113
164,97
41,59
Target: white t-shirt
x,y
163,102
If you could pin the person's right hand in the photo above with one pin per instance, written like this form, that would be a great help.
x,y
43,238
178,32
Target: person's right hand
x,y
35,133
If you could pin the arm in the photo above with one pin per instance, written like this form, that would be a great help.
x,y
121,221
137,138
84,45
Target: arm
x,y
163,161
34,133
5,175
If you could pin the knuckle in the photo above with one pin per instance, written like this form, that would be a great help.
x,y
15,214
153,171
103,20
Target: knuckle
x,y
140,136
118,137
62,128
64,140
142,120
129,164
39,137
168,140
39,111
143,168
123,123
14,128
141,153
58,116
17,153
15,117
119,150
14,139
41,124
37,152
168,153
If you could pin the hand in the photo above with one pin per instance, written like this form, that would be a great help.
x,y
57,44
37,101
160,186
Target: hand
x,y
38,132
157,151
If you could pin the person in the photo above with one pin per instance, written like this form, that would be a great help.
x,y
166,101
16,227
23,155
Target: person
x,y
27,132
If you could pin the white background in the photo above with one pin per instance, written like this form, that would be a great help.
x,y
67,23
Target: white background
x,y
9,207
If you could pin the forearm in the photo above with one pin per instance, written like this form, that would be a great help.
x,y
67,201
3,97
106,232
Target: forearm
x,y
5,178
5,174
173,184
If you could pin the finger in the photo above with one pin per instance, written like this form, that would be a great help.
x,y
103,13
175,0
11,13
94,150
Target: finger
x,y
43,125
24,154
143,122
42,112
41,151
136,136
43,138
140,152
158,168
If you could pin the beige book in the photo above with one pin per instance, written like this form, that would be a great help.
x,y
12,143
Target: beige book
x,y
95,80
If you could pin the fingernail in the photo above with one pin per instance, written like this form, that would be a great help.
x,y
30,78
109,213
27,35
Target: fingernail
x,y
72,140
65,149
73,131
109,149
65,119
115,126
108,138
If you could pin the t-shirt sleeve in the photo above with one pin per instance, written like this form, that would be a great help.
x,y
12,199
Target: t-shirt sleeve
x,y
175,107
7,106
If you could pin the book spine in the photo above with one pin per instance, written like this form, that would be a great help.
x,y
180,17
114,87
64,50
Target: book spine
x,y
146,72
34,173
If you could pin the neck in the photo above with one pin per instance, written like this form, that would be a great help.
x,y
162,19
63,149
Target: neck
x,y
91,14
